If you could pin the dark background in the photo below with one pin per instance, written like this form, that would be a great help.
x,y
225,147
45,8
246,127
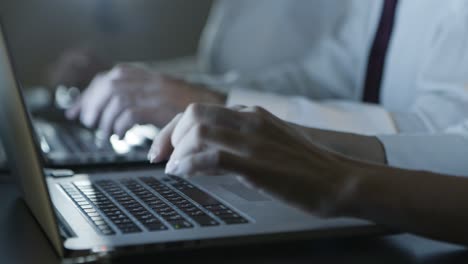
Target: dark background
x,y
121,30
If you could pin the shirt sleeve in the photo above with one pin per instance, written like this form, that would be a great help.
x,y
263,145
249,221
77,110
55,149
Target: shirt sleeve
x,y
442,153
432,135
328,71
440,111
339,115
329,68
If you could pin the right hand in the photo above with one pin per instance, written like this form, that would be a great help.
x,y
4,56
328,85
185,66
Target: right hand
x,y
266,151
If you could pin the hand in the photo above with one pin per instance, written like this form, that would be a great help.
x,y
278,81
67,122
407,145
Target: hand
x,y
129,95
269,153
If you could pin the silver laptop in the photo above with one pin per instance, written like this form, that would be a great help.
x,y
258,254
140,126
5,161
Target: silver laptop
x,y
87,216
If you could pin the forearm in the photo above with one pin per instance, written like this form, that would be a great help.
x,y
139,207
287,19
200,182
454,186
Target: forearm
x,y
366,148
428,204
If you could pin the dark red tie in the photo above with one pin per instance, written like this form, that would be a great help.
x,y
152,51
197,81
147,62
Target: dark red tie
x,y
377,54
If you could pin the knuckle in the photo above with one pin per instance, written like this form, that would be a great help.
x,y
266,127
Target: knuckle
x,y
194,110
120,69
99,76
256,121
114,84
217,157
201,131
119,100
178,116
258,110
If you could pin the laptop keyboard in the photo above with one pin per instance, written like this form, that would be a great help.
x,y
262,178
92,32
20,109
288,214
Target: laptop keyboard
x,y
68,144
140,213
85,206
157,205
184,205
146,203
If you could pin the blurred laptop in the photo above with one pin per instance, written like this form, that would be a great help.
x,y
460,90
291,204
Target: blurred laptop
x,y
68,144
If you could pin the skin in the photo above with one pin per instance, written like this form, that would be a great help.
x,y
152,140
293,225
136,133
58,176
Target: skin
x,y
264,151
127,95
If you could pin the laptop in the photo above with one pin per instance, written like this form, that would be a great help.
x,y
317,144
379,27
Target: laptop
x,y
67,144
97,215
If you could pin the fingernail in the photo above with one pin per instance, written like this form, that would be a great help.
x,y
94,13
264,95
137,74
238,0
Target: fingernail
x,y
153,155
171,167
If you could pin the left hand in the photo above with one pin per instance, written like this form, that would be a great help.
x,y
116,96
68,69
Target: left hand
x,y
269,153
128,95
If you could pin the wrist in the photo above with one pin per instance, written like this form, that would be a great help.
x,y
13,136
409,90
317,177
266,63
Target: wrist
x,y
345,202
208,95
358,194
360,147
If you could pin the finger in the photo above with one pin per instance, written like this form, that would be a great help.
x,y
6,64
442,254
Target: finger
x,y
209,162
205,161
251,173
162,148
237,107
201,137
221,149
111,112
94,98
129,72
73,111
205,114
126,120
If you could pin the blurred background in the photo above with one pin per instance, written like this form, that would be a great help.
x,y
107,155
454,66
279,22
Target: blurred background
x,y
39,31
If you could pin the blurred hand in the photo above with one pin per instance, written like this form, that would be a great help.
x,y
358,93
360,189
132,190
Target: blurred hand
x,y
127,95
269,153
76,67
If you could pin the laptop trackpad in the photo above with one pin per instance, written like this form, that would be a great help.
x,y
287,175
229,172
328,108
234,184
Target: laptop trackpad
x,y
244,192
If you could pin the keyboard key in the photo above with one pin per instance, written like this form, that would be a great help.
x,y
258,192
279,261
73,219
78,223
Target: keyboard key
x,y
196,194
189,208
88,210
145,217
115,215
227,215
159,206
180,224
205,220
237,220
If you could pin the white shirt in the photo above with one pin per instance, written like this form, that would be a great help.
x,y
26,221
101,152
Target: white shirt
x,y
305,61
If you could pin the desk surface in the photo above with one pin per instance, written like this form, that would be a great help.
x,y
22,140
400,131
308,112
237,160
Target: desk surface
x,y
22,241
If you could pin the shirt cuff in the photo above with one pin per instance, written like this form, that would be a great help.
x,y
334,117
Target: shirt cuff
x,y
353,117
441,153
409,123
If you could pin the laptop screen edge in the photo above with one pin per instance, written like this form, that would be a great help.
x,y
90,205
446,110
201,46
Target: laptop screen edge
x,y
22,149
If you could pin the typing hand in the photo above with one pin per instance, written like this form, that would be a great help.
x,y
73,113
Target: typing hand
x,y
127,95
267,152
